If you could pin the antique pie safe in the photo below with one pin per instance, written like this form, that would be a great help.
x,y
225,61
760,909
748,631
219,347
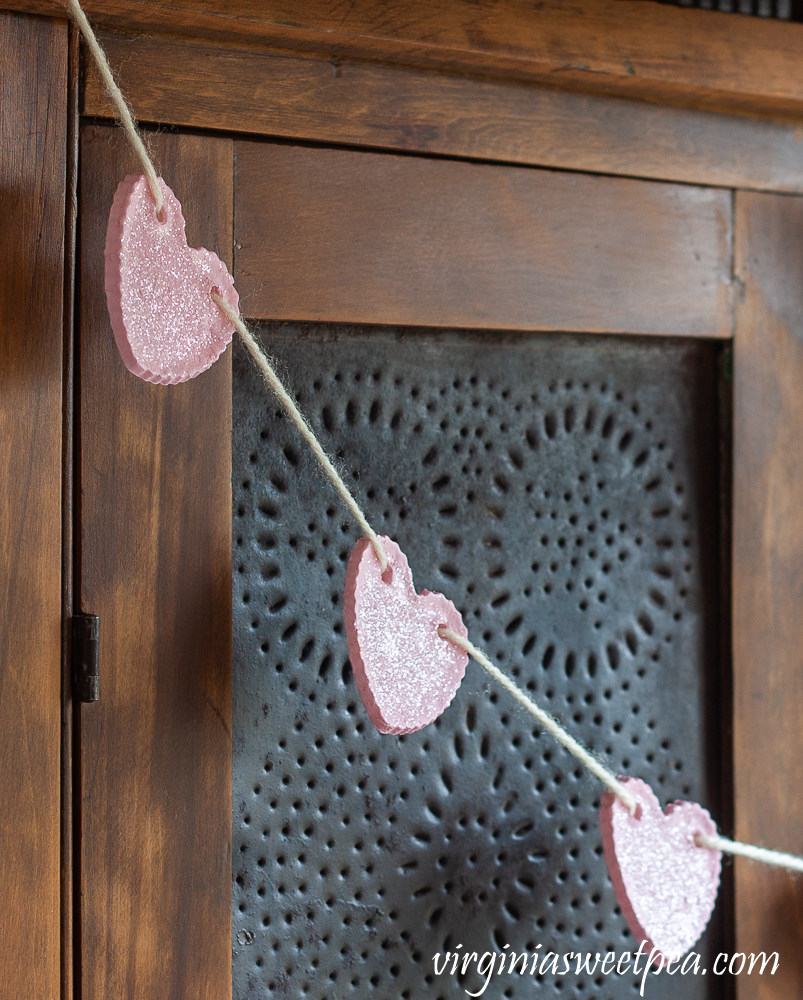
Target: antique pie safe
x,y
535,274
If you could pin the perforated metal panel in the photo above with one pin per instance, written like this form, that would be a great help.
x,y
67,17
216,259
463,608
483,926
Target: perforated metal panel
x,y
782,10
563,493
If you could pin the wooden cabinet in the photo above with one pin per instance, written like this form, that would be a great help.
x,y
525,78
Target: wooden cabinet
x,y
433,181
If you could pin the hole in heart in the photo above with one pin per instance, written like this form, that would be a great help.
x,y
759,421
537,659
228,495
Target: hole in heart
x,y
443,627
161,215
387,576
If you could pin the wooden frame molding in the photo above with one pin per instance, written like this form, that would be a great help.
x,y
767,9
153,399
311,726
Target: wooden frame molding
x,y
197,84
627,47
34,74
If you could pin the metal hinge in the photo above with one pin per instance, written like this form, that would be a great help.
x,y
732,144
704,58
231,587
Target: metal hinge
x,y
85,635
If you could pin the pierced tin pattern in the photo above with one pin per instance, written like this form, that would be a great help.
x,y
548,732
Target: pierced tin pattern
x,y
563,493
782,10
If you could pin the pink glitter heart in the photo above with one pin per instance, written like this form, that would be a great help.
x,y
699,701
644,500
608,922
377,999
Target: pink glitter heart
x,y
664,883
406,674
167,327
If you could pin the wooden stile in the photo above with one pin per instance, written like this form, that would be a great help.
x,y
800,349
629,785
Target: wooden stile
x,y
33,71
155,469
768,580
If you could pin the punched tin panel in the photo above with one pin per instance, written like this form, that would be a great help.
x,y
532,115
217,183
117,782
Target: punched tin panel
x,y
563,492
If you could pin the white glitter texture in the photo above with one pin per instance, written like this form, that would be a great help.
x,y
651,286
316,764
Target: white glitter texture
x,y
406,674
664,883
165,323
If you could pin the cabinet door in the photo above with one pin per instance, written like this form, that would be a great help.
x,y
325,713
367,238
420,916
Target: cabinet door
x,y
526,379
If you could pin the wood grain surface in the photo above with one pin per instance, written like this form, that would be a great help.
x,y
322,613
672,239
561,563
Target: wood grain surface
x,y
615,46
33,122
768,581
362,238
155,470
208,86
69,708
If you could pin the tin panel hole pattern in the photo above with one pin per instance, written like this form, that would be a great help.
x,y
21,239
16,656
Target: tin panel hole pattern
x,y
563,492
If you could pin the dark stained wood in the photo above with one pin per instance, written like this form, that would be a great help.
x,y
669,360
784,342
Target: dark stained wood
x,y
156,566
69,732
362,238
768,580
201,85
615,46
33,71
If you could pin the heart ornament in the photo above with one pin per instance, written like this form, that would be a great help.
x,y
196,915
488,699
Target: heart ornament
x,y
664,883
167,327
406,674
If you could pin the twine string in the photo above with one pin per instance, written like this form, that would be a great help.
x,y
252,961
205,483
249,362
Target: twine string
x,y
289,404
778,858
120,103
551,725
585,757
581,753
284,397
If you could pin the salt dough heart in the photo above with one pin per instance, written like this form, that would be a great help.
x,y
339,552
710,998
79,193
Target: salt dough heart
x,y
167,327
406,674
664,883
